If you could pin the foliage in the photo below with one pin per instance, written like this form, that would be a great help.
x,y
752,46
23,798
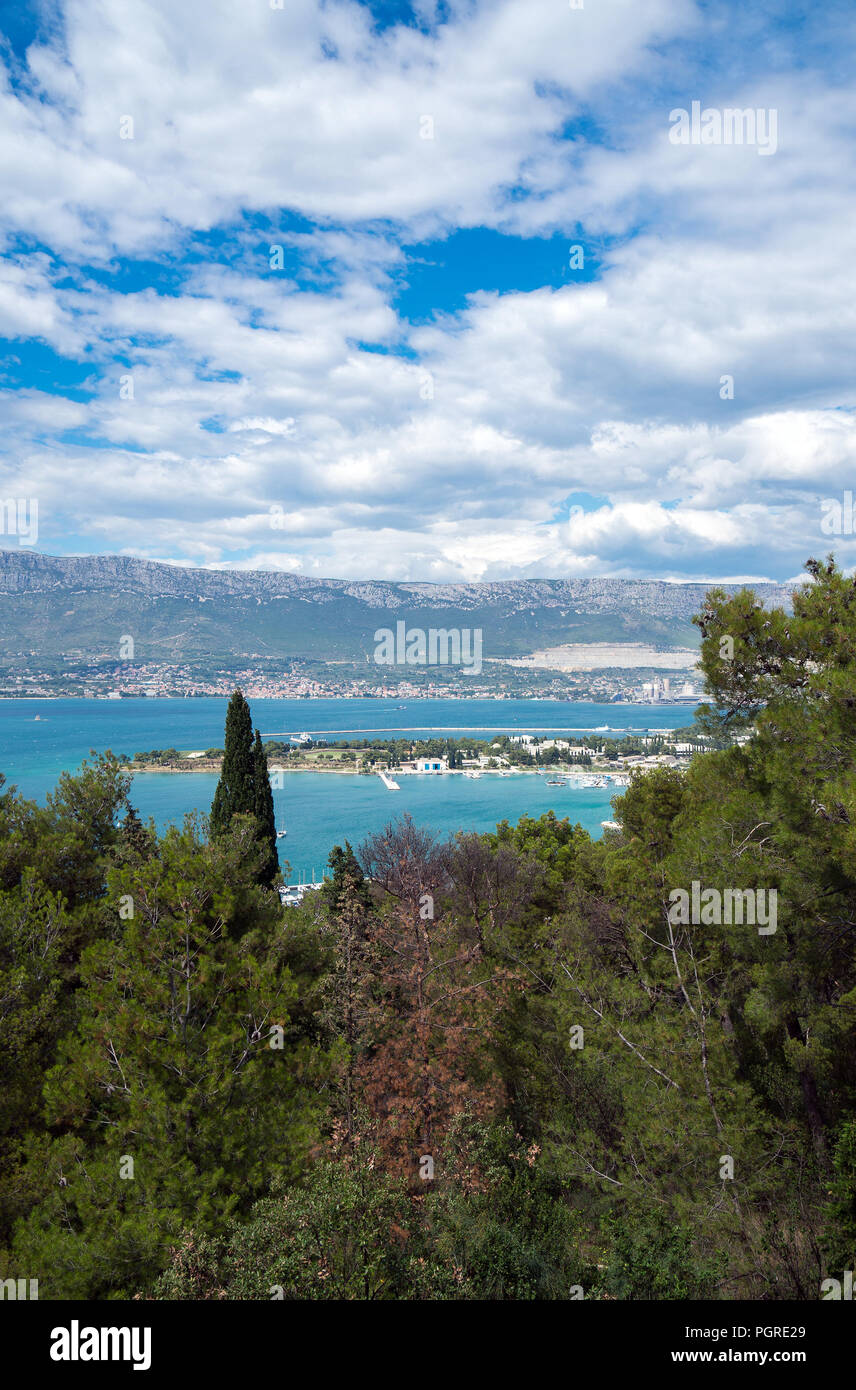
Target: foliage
x,y
264,814
244,787
505,1068
173,1065
342,1233
235,793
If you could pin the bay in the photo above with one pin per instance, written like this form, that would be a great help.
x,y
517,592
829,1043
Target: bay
x,y
39,739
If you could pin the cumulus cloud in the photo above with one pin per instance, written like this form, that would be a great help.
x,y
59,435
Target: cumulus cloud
x,y
697,390
308,107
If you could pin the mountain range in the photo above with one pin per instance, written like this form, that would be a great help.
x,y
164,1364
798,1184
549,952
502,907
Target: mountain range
x,y
55,607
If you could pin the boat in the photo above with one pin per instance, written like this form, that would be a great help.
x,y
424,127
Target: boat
x,y
474,775
281,834
554,782
292,894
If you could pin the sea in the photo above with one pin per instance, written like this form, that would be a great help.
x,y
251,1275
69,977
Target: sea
x,y
41,738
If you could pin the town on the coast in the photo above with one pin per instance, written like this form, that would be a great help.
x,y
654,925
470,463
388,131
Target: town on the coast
x,y
277,680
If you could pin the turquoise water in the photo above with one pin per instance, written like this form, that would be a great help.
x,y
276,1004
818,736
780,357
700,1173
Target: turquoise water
x,y
320,809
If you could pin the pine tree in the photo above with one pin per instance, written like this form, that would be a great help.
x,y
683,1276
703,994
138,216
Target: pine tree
x,y
348,881
184,1060
235,792
348,989
264,813
139,838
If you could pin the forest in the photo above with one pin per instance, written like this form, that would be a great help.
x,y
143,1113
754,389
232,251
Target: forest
x,y
495,1067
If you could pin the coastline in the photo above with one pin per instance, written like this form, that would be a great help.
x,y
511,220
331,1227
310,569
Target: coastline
x,y
571,779
581,699
214,770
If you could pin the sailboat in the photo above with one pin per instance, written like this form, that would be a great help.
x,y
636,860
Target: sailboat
x,y
281,833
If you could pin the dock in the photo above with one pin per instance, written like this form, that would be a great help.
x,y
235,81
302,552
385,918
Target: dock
x,y
388,782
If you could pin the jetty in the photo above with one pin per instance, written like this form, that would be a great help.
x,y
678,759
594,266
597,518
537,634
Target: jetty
x,y
388,782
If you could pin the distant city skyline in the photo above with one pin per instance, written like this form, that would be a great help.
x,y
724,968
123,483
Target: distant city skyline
x,y
438,291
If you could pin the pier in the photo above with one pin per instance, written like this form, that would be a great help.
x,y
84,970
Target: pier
x,y
388,782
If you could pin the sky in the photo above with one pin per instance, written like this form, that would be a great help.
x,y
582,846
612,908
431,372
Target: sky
x,y
430,290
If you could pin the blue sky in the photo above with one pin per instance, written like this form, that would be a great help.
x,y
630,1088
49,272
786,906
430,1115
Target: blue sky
x,y
322,309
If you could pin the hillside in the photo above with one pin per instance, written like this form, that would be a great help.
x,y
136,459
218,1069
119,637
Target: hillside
x,y
79,606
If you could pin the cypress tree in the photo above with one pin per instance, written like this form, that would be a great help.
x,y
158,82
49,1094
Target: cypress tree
x,y
235,792
264,813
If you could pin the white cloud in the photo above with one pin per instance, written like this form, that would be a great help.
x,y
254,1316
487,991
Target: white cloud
x,y
448,452
239,107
